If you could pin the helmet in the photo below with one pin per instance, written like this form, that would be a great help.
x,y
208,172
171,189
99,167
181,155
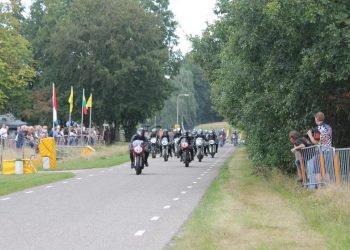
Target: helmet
x,y
165,132
141,131
211,131
200,131
184,133
154,130
179,130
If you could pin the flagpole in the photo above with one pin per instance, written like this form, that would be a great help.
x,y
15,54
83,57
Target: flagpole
x,y
53,118
90,122
82,118
70,117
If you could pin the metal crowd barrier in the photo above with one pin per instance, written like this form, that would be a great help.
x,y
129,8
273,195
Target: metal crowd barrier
x,y
321,165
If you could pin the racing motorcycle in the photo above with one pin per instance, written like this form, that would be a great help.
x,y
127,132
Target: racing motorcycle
x,y
153,147
212,148
200,148
165,148
176,147
138,150
185,152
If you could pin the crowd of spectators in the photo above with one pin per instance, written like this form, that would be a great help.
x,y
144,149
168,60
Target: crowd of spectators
x,y
64,136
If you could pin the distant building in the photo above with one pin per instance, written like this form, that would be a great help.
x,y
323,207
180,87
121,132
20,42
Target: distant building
x,y
10,121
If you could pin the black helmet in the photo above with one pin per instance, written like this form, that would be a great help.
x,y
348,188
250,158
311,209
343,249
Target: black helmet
x,y
184,133
165,132
141,131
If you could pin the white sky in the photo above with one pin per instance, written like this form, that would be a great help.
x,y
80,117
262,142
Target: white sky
x,y
191,15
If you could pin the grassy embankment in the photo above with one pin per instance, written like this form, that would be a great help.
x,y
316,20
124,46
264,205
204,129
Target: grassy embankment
x,y
15,183
245,211
103,157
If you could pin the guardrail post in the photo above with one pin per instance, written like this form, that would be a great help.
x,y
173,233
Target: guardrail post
x,y
323,172
336,168
302,167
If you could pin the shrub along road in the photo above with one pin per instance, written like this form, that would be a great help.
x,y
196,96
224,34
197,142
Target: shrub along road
x,y
109,208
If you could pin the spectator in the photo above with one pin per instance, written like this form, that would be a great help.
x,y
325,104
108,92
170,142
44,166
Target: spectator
x,y
324,129
299,142
3,134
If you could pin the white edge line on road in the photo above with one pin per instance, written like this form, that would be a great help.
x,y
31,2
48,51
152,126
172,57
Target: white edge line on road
x,y
140,232
194,182
48,186
167,207
29,192
155,218
189,186
65,182
183,192
79,178
176,199
5,199
199,178
91,175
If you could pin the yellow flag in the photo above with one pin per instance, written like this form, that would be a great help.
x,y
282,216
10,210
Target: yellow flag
x,y
89,102
70,100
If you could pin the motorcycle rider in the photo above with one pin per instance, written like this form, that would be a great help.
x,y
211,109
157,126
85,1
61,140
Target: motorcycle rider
x,y
212,136
140,135
165,135
201,135
189,138
154,133
223,135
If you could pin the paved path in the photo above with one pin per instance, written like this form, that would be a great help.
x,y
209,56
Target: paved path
x,y
108,208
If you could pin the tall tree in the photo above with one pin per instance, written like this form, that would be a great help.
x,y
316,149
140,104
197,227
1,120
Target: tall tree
x,y
16,58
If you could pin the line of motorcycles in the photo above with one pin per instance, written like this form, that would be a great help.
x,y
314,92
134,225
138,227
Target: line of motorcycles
x,y
180,149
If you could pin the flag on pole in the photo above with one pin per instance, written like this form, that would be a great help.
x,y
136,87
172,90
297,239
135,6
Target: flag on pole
x,y
89,102
54,104
84,105
70,100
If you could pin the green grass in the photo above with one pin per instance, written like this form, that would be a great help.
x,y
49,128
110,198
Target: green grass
x,y
245,211
102,162
15,183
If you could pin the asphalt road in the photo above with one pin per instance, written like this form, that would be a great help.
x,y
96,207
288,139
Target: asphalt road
x,y
108,208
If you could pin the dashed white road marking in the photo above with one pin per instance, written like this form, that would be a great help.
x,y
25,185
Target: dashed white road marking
x,y
102,172
29,192
111,169
205,172
189,186
91,175
65,182
79,178
183,192
140,232
176,199
5,199
49,187
199,178
167,207
194,182
155,218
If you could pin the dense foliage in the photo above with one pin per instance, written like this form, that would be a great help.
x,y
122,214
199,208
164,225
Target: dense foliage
x,y
273,64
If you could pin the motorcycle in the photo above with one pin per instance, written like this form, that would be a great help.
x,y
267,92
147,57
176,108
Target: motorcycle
x,y
222,141
212,148
176,147
185,149
200,148
138,149
165,148
153,147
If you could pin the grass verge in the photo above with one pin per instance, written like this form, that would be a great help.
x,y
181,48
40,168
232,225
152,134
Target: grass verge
x,y
244,211
102,162
102,158
15,183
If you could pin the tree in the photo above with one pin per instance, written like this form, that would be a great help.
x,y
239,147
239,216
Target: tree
x,y
15,55
113,49
273,64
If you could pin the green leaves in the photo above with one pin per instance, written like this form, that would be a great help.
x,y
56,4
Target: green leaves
x,y
274,64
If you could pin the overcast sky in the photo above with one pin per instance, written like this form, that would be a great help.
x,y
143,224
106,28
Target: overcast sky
x,y
191,15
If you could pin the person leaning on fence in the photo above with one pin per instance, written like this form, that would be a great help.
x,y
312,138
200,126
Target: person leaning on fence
x,y
325,142
299,143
